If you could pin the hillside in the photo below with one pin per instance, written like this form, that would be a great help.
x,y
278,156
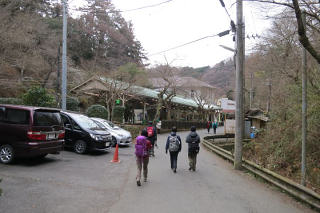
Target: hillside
x,y
222,75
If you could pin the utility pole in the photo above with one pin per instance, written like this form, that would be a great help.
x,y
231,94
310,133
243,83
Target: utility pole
x,y
64,58
239,87
251,89
269,84
304,108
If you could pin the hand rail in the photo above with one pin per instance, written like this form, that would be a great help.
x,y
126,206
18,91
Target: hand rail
x,y
301,192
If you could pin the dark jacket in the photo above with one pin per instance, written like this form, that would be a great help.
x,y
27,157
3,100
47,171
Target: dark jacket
x,y
154,137
167,144
193,140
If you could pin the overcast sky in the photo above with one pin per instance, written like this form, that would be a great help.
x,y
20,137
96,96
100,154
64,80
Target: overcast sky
x,y
181,21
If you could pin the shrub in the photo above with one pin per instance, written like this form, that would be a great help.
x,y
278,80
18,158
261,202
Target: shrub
x,y
73,104
97,111
15,101
135,130
38,96
117,114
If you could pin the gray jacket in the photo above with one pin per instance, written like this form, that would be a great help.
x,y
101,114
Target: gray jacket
x,y
193,140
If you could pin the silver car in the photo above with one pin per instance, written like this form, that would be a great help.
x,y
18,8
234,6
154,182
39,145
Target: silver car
x,y
119,135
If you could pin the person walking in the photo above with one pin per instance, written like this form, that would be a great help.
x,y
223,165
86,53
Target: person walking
x,y
214,126
142,147
158,125
208,126
174,146
193,141
152,137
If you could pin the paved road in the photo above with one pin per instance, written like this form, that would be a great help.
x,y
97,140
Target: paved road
x,y
90,183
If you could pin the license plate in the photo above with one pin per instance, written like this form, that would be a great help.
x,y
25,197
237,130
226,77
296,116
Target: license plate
x,y
51,136
108,144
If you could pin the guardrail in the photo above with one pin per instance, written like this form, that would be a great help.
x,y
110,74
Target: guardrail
x,y
303,193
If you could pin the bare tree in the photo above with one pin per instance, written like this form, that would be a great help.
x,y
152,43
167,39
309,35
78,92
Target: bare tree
x,y
119,83
167,88
311,7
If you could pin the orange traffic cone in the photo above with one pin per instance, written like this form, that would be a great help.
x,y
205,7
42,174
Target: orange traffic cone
x,y
115,156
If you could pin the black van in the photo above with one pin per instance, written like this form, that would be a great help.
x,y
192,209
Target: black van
x,y
82,134
29,132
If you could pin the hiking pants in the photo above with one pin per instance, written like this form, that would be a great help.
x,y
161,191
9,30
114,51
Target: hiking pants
x,y
192,160
142,162
174,159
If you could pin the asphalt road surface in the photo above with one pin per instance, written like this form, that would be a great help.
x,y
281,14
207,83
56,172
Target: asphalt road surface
x,y
89,183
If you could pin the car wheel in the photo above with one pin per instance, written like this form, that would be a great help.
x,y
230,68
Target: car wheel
x,y
80,147
6,154
113,141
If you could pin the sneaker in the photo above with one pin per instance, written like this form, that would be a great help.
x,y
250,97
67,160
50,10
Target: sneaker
x,y
189,168
175,170
138,183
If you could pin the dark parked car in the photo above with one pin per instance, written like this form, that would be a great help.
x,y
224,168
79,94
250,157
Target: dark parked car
x,y
29,132
83,134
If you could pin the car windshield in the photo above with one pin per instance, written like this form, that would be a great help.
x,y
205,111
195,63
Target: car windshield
x,y
85,122
100,124
46,118
110,124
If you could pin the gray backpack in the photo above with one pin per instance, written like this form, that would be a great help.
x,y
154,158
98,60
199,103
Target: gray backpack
x,y
173,143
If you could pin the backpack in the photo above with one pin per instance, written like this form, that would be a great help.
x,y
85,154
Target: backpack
x,y
194,147
173,143
141,147
150,131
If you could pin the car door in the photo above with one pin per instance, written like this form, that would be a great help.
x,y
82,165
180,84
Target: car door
x,y
68,130
78,132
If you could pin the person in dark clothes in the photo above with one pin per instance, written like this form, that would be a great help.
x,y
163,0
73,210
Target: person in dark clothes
x,y
208,126
193,141
174,146
152,137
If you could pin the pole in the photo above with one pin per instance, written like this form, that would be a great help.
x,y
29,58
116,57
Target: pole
x,y
251,89
304,109
269,84
239,87
64,58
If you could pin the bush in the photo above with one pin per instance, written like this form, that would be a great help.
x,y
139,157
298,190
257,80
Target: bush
x,y
135,130
15,101
97,111
38,96
117,114
73,104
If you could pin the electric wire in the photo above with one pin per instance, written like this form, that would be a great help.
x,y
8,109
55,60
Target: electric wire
x,y
130,10
232,24
191,42
144,7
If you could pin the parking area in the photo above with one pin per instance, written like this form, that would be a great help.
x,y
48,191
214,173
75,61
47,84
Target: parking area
x,y
67,182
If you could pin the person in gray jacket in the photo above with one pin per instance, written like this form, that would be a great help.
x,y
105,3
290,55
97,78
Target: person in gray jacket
x,y
174,146
193,141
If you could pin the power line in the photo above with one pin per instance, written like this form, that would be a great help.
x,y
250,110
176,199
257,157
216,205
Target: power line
x,y
134,9
226,32
232,24
144,7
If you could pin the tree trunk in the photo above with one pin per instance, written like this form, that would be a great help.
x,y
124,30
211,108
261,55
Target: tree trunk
x,y
158,109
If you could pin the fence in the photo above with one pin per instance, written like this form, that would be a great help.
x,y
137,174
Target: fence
x,y
182,124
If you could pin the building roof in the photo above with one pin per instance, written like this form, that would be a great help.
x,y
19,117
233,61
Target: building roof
x,y
180,82
100,83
